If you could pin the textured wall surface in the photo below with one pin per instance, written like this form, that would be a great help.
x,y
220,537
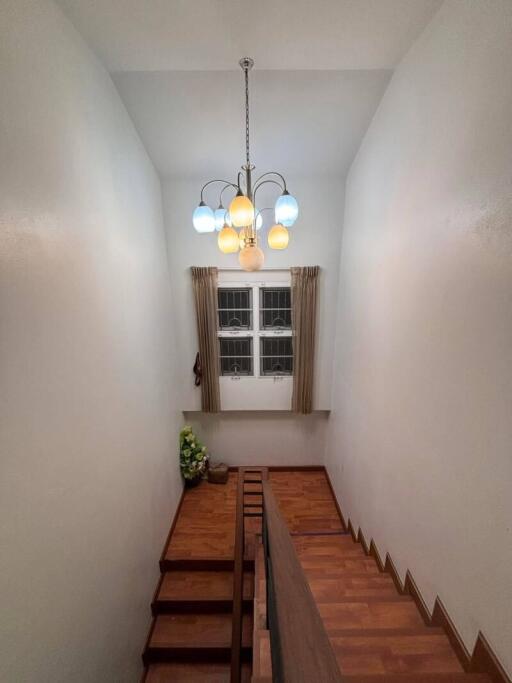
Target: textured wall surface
x,y
88,473
420,435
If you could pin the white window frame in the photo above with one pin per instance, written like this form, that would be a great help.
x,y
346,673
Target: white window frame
x,y
255,281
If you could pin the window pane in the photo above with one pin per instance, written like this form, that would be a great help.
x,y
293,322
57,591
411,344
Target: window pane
x,y
275,308
236,356
235,309
276,356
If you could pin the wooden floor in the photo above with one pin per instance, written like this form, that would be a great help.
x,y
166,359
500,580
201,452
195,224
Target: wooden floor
x,y
306,501
377,634
205,528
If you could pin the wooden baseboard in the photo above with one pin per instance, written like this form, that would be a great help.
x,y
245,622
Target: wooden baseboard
x,y
482,660
284,468
173,524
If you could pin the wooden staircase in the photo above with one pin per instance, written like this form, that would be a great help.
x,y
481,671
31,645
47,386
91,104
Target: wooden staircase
x,y
378,634
212,594
195,607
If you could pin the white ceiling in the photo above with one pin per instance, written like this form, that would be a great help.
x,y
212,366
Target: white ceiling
x,y
321,69
302,122
158,35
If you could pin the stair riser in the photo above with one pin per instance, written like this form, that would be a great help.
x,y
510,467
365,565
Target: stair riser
x,y
202,565
192,654
197,606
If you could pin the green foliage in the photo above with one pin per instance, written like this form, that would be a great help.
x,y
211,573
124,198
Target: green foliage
x,y
193,455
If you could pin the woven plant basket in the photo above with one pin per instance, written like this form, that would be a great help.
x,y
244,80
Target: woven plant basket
x,y
218,474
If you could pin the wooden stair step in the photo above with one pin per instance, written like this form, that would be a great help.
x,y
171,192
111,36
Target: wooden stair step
x,y
351,579
322,552
253,511
369,599
414,653
252,488
343,573
370,615
335,590
199,586
178,634
192,564
193,672
418,678
330,540
332,564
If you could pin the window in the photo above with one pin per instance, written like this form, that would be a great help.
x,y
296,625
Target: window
x,y
276,356
275,308
236,356
255,330
235,309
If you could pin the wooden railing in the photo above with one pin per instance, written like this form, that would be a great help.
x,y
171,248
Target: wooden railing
x,y
246,475
300,647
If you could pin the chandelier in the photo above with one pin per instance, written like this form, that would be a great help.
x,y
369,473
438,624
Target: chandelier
x,y
238,225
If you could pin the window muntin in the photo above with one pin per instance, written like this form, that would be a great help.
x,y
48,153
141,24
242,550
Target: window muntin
x,y
236,357
235,308
276,356
275,308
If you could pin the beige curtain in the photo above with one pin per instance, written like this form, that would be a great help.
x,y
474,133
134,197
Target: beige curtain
x,y
205,294
304,286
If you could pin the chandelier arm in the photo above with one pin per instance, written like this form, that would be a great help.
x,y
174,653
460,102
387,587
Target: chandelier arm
x,y
264,182
222,192
217,180
273,173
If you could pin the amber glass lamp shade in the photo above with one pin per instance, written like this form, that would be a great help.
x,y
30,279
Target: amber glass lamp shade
x,y
241,211
278,237
228,240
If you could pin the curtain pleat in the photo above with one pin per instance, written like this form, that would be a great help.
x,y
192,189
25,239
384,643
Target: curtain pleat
x,y
205,295
304,295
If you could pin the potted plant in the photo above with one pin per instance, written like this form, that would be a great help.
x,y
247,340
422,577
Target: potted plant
x,y
193,457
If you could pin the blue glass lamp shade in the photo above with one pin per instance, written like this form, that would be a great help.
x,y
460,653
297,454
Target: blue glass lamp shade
x,y
286,210
220,215
203,218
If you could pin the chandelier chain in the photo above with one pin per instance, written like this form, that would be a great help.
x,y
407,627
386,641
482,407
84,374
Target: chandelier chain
x,y
246,74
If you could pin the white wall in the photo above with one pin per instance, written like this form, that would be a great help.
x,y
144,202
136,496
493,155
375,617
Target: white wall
x,y
262,438
420,434
88,473
315,240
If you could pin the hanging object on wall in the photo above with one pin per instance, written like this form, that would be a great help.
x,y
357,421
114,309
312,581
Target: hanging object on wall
x,y
242,214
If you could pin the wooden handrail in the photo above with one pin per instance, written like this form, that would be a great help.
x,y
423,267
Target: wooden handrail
x,y
301,651
238,581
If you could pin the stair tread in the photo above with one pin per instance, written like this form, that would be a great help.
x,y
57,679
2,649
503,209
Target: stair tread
x,y
196,631
414,653
338,615
191,672
336,565
418,678
338,589
350,577
362,599
201,585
